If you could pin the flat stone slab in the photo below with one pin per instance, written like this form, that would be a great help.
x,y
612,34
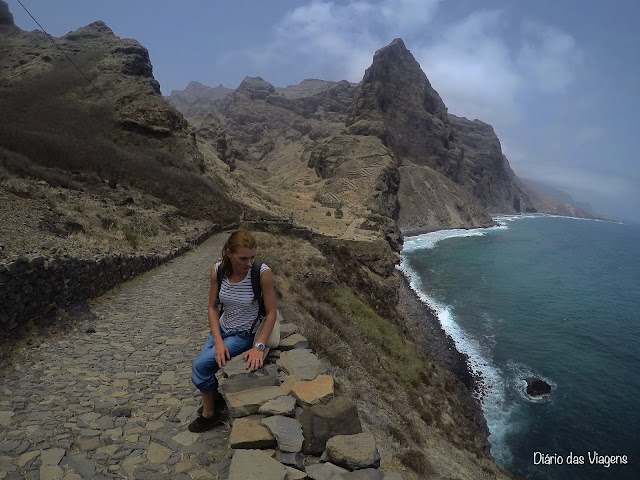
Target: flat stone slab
x,y
288,384
354,452
295,474
255,465
284,405
324,471
51,472
248,402
302,364
248,381
288,432
313,391
158,453
293,341
5,417
366,474
236,366
52,456
248,433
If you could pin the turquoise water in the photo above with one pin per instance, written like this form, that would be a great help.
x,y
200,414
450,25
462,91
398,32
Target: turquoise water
x,y
556,298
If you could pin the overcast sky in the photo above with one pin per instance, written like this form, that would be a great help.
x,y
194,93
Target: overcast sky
x,y
558,79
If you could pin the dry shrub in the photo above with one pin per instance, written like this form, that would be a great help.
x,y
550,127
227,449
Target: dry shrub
x,y
396,433
417,461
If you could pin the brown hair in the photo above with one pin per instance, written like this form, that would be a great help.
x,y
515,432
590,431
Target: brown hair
x,y
238,239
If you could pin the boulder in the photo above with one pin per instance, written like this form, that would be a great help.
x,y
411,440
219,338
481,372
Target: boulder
x,y
354,452
321,422
537,387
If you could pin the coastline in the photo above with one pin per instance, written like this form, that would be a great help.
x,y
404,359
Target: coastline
x,y
424,326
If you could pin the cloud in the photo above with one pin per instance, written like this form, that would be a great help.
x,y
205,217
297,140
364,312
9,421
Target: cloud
x,y
480,67
549,57
483,70
336,41
585,182
471,67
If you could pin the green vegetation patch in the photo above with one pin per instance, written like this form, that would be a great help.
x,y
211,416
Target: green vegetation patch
x,y
395,353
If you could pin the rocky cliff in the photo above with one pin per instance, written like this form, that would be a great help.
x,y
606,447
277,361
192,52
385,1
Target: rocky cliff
x,y
195,97
385,152
95,163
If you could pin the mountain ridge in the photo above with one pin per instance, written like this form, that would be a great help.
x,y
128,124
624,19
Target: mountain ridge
x,y
431,169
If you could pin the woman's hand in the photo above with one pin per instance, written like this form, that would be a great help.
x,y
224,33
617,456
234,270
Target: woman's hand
x,y
253,358
222,354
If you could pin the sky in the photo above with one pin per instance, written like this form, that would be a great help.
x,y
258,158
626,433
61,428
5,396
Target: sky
x,y
558,80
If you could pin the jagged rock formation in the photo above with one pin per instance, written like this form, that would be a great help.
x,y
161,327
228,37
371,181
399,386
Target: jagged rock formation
x,y
116,161
191,100
6,18
387,149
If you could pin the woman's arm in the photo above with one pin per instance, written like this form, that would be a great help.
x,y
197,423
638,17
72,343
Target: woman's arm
x,y
254,356
221,352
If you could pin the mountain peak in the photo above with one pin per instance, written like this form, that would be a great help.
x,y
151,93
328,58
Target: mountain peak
x,y
397,103
5,15
93,30
256,87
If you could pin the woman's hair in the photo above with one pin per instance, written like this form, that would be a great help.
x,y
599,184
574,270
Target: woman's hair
x,y
237,240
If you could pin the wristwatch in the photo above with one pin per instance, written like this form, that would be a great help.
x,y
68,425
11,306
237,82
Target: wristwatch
x,y
259,346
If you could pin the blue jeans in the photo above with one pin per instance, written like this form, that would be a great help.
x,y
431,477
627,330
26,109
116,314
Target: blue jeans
x,y
204,368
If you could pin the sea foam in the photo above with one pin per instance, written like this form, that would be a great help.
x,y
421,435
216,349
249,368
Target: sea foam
x,y
492,390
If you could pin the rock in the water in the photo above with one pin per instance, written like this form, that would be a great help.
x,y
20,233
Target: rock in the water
x,y
537,387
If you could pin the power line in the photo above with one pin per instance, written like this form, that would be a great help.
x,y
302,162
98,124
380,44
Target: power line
x,y
67,56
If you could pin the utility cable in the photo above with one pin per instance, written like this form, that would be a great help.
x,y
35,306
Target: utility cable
x,y
67,56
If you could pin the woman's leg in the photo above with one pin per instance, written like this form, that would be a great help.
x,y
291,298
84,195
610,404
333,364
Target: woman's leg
x,y
203,373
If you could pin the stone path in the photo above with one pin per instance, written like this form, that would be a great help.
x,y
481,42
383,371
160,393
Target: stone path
x,y
351,229
116,403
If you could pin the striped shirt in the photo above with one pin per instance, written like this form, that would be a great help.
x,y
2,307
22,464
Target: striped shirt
x,y
239,312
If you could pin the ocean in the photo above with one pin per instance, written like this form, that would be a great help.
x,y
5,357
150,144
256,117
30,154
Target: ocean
x,y
551,297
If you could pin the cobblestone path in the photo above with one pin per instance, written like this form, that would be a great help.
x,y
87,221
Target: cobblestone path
x,y
116,403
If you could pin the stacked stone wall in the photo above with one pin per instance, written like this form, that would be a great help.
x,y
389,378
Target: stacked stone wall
x,y
29,284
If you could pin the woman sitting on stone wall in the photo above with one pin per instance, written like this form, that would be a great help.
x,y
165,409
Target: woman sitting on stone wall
x,y
232,332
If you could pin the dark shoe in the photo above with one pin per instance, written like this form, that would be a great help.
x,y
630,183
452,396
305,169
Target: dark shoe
x,y
219,405
202,424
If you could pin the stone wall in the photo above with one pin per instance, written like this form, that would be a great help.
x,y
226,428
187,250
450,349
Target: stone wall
x,y
31,283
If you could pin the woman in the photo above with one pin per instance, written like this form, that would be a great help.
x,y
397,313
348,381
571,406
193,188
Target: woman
x,y
232,332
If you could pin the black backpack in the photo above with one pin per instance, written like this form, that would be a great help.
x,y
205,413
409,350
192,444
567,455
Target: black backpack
x,y
257,293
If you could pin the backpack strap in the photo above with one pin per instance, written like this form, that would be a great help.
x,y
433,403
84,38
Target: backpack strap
x,y
218,303
257,294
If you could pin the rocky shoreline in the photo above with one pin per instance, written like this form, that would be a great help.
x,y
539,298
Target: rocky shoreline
x,y
424,326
